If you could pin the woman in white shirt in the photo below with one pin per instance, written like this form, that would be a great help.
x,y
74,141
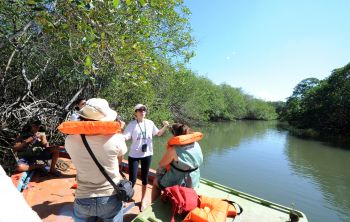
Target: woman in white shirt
x,y
141,131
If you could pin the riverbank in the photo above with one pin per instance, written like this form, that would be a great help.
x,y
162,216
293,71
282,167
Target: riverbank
x,y
339,140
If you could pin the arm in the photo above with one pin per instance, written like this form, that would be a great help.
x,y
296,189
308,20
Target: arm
x,y
162,130
43,139
21,144
168,157
122,124
127,133
121,146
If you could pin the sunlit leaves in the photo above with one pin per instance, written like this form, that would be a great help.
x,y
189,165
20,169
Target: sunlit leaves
x,y
88,63
115,3
143,2
126,51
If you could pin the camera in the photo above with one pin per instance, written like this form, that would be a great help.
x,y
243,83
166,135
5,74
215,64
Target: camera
x,y
144,147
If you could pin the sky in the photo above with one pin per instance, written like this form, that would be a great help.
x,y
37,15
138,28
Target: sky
x,y
266,47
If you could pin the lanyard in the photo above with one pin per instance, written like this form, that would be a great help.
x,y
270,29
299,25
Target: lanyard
x,y
142,132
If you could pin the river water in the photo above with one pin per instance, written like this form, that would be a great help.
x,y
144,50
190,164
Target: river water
x,y
258,158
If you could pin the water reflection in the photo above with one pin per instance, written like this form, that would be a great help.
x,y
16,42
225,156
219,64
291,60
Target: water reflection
x,y
258,158
222,136
328,167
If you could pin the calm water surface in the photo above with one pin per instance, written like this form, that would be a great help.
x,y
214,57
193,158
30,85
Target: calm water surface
x,y
258,158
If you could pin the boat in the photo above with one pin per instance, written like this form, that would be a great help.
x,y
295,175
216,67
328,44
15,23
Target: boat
x,y
52,199
254,208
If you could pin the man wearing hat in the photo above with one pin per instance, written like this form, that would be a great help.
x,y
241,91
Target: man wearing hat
x,y
95,196
32,145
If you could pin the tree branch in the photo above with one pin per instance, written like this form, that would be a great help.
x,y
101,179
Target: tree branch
x,y
18,34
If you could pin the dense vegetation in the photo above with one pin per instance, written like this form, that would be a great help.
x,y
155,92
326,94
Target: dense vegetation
x,y
321,105
128,52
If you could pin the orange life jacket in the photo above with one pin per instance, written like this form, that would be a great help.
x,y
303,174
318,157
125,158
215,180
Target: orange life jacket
x,y
183,140
90,127
212,210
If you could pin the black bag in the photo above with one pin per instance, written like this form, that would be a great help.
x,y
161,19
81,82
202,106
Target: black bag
x,y
124,188
125,192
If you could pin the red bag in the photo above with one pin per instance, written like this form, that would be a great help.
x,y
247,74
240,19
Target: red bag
x,y
183,199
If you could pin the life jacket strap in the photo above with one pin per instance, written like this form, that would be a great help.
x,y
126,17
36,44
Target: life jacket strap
x,y
181,170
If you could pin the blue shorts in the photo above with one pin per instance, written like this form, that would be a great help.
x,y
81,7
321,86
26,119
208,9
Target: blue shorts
x,y
44,155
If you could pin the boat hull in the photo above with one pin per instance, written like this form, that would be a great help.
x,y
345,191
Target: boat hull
x,y
254,208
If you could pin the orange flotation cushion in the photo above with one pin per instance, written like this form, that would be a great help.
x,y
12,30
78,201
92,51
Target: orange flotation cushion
x,y
211,210
90,127
185,139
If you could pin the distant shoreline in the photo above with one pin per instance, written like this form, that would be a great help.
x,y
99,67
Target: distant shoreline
x,y
309,133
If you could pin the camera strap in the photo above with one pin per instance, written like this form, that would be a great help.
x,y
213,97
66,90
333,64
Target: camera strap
x,y
143,133
103,171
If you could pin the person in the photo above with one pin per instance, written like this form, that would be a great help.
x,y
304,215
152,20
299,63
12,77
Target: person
x,y
95,197
184,161
79,104
32,145
141,131
13,206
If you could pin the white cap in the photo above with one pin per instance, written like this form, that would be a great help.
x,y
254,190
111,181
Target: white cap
x,y
97,109
139,106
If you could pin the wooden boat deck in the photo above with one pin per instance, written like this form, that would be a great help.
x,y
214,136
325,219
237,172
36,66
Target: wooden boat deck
x,y
52,197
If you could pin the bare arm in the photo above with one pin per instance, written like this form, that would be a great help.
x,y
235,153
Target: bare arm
x,y
162,130
43,139
122,124
168,157
20,145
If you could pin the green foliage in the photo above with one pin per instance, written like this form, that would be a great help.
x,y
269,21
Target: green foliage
x,y
304,86
323,105
236,102
128,52
258,109
279,107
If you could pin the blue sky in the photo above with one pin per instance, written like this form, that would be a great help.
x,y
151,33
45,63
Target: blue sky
x,y
266,47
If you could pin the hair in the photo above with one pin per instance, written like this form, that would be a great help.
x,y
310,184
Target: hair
x,y
77,101
34,121
178,129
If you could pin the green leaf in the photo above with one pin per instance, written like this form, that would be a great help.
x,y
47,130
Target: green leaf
x,y
143,2
128,2
115,3
31,2
88,62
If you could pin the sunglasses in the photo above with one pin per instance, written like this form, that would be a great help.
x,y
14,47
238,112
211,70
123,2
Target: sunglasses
x,y
141,110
